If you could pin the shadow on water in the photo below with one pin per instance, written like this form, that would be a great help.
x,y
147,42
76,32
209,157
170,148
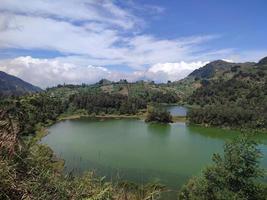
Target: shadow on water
x,y
162,130
213,133
225,134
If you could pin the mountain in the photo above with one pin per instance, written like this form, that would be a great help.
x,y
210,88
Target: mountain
x,y
210,69
232,98
215,70
263,61
219,68
11,85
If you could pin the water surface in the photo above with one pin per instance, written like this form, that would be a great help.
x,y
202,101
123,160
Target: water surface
x,y
136,151
176,110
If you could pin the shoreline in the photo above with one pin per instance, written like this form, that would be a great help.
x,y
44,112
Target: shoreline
x,y
115,116
42,129
59,163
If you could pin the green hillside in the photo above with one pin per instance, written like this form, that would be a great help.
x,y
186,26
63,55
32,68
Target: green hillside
x,y
237,98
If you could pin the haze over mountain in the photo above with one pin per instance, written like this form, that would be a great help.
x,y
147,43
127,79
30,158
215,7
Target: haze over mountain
x,y
11,85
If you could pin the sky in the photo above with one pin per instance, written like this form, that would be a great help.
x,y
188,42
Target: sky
x,y
47,42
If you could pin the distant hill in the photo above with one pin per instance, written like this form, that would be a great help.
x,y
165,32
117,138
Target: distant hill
x,y
11,85
263,61
215,70
145,90
210,69
235,97
220,69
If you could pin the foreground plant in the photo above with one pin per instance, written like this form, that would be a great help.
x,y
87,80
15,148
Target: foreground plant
x,y
28,171
235,175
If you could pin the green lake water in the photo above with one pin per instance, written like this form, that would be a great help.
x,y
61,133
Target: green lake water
x,y
133,150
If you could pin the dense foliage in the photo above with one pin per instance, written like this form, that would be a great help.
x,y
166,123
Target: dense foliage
x,y
240,101
107,103
235,175
28,169
158,114
33,109
110,98
116,98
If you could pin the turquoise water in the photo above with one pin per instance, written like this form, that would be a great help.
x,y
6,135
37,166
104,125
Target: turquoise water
x,y
136,151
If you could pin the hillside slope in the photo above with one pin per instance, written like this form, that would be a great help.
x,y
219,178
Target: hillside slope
x,y
215,70
238,98
11,85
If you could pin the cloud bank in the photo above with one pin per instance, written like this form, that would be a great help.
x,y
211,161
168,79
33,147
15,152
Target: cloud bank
x,y
50,72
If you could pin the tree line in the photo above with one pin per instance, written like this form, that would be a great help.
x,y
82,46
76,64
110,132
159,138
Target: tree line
x,y
237,102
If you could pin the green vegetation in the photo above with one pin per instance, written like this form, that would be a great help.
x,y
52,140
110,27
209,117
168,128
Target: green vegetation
x,y
158,114
106,97
30,110
236,101
28,170
47,106
235,175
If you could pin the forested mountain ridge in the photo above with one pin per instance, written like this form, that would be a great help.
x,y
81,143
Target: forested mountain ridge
x,y
144,89
11,85
218,68
215,70
239,100
120,97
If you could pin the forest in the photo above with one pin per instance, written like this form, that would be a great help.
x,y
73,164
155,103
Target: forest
x,y
45,107
238,102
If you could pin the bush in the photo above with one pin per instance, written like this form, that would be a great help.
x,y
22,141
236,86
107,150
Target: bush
x,y
235,175
158,114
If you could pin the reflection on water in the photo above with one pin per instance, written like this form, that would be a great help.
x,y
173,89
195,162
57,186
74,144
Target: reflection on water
x,y
137,151
160,129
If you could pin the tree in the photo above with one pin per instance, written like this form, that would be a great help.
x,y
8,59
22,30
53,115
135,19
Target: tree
x,y
235,175
158,114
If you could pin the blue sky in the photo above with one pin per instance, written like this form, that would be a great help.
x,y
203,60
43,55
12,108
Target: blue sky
x,y
241,23
48,42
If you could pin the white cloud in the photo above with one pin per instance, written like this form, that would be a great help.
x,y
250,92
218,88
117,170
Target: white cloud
x,y
173,71
99,32
93,42
104,11
45,72
50,72
42,33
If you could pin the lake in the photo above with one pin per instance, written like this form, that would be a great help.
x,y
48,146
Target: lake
x,y
176,110
133,150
